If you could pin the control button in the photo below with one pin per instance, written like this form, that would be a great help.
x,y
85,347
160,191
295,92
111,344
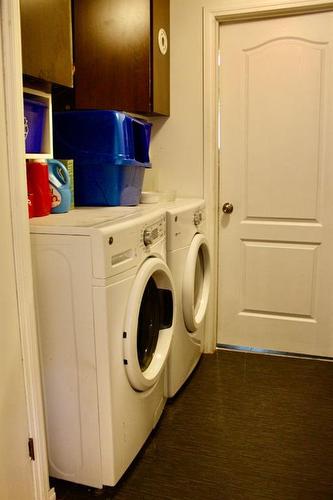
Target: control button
x,y
154,233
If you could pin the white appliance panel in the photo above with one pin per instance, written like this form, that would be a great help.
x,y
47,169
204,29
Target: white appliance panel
x,y
62,277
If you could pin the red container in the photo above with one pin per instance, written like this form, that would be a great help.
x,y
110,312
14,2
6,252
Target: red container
x,y
38,188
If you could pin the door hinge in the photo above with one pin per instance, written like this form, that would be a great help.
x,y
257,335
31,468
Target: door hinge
x,y
31,448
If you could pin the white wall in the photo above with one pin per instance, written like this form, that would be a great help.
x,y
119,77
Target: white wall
x,y
177,146
177,141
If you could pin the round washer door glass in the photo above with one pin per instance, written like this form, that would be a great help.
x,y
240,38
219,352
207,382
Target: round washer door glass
x,y
148,324
196,283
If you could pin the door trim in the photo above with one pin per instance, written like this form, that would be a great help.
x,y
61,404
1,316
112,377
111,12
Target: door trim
x,y
11,36
212,18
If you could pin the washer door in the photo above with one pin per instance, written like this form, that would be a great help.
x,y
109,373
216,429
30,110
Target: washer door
x,y
149,324
196,283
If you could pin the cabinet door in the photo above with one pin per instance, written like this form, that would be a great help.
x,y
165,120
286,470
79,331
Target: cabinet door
x,y
47,40
160,41
112,54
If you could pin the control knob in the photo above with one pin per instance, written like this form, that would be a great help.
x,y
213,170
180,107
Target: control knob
x,y
197,218
147,237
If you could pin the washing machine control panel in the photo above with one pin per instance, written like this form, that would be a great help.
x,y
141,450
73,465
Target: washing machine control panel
x,y
153,232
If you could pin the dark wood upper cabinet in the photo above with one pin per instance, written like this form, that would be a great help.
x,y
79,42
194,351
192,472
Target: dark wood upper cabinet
x,y
118,62
46,29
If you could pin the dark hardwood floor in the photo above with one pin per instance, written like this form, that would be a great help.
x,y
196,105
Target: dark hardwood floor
x,y
245,427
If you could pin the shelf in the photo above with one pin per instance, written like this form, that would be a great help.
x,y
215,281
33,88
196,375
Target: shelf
x,y
47,142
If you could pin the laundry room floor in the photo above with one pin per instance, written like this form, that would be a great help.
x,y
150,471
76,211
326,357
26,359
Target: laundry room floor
x,y
245,427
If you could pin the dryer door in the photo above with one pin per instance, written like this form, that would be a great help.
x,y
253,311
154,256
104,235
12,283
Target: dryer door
x,y
149,324
196,283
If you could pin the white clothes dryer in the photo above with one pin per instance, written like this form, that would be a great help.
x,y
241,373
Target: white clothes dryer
x,y
189,261
105,310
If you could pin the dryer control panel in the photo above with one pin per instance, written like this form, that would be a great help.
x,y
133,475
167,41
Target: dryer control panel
x,y
183,223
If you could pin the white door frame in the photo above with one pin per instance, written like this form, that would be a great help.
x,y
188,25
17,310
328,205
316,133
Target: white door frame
x,y
230,11
10,32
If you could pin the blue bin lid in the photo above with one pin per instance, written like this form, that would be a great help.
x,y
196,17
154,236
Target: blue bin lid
x,y
101,136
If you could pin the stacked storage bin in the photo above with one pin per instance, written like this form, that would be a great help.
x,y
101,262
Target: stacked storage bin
x,y
34,119
110,150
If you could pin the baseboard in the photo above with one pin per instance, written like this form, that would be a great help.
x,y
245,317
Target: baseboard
x,y
254,350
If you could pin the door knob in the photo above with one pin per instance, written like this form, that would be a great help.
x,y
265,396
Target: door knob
x,y
227,208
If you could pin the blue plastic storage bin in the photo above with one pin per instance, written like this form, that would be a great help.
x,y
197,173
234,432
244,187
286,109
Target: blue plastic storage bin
x,y
103,184
34,119
110,151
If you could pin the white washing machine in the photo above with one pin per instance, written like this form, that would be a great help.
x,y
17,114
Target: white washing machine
x,y
189,262
105,311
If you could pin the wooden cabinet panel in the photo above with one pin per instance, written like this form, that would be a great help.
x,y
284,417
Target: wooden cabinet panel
x,y
161,62
47,40
117,61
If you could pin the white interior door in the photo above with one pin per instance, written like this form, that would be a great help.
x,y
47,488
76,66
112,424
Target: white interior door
x,y
276,247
